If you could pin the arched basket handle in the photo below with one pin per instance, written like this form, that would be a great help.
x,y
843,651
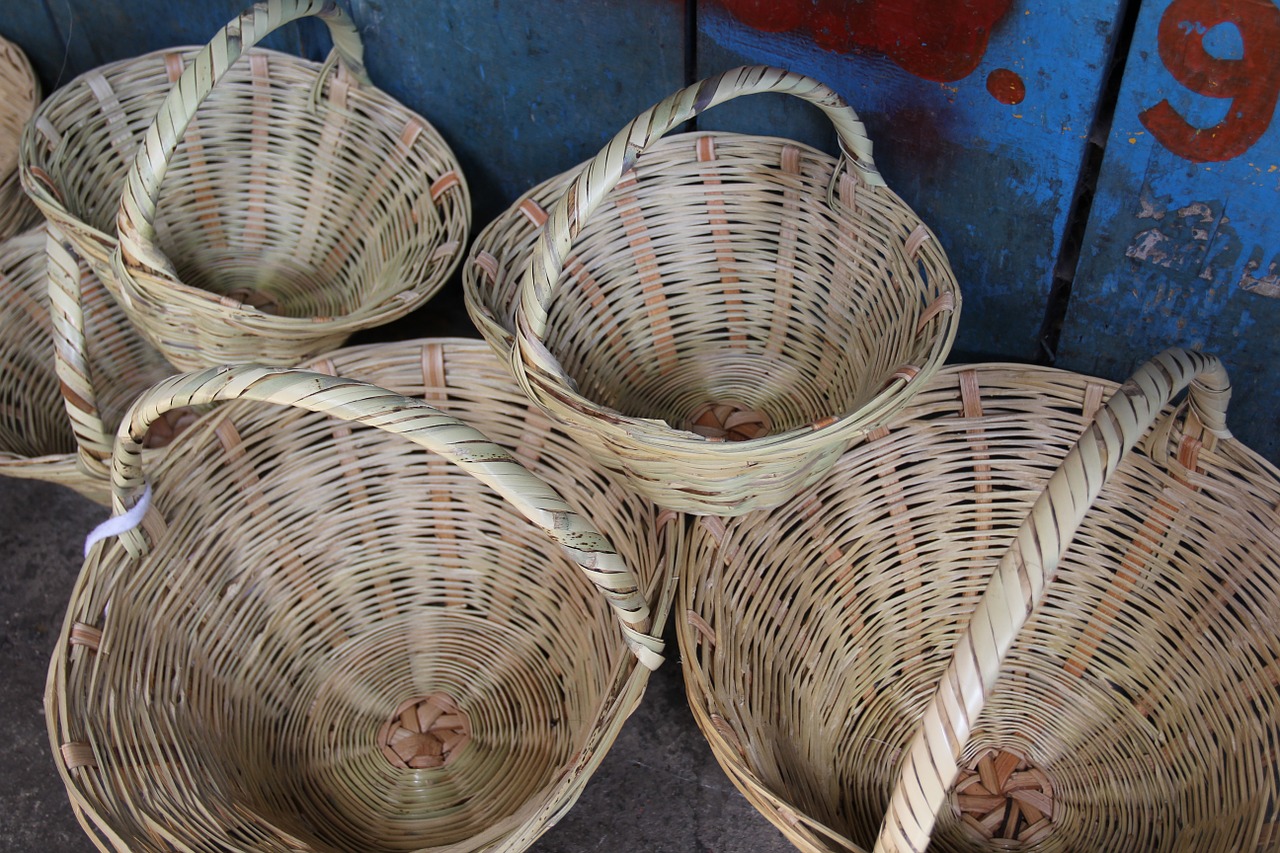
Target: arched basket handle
x,y
930,766
415,421
71,352
137,215
571,212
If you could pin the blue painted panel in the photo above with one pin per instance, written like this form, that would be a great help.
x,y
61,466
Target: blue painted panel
x,y
1183,245
64,38
994,180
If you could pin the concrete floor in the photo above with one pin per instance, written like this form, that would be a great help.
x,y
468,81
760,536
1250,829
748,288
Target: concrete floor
x,y
659,789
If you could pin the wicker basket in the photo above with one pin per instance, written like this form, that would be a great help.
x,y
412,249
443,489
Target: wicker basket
x,y
77,359
19,94
237,220
1136,709
739,312
315,604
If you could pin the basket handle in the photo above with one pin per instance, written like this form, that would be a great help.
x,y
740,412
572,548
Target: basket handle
x,y
1020,580
136,219
71,352
572,210
414,420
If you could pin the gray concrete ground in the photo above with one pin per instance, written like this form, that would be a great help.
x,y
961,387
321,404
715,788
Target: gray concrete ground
x,y
659,789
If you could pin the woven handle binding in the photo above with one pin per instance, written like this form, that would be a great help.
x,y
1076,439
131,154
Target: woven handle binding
x,y
1025,571
71,352
571,212
136,220
414,420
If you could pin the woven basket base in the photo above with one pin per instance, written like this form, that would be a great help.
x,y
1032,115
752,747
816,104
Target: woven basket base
x,y
1004,799
424,733
771,387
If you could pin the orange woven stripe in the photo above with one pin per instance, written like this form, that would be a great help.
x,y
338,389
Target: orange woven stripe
x,y
255,227
719,222
660,326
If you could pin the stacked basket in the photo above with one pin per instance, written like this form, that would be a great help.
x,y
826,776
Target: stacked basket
x,y
1082,639
368,645
716,317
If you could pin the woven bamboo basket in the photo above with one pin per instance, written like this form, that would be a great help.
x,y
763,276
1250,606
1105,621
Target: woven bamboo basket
x,y
237,210
35,438
19,94
76,360
1122,696
324,638
717,324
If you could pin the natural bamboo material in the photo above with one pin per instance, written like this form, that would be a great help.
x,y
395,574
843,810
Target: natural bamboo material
x,y
732,271
325,638
80,143
1123,698
273,209
19,94
35,438
93,374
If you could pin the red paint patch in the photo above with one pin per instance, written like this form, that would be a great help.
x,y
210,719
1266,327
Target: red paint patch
x,y
1252,82
1006,86
942,42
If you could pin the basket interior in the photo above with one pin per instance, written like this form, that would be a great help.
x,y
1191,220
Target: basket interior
x,y
33,422
1144,689
314,579
731,280
297,211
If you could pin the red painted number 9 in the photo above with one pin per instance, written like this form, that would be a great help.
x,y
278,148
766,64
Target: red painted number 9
x,y
1252,82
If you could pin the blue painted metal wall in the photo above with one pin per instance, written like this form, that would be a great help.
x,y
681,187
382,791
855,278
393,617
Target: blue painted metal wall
x,y
995,180
1184,238
982,112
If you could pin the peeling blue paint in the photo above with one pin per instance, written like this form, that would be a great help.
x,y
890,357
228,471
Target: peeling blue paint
x,y
994,181
1182,253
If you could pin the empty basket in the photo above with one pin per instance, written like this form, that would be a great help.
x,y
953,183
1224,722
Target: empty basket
x,y
324,637
76,359
718,319
1137,707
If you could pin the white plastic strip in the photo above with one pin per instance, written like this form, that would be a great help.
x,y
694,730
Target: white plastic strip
x,y
118,524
